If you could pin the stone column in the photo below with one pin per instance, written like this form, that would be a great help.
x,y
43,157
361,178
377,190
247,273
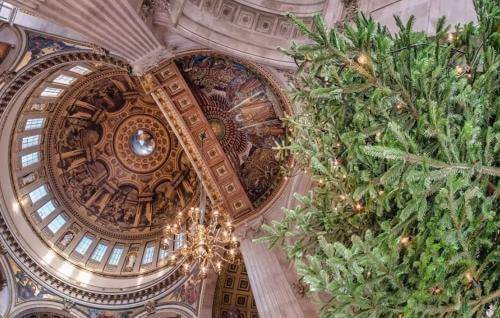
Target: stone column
x,y
114,25
272,276
426,12
272,292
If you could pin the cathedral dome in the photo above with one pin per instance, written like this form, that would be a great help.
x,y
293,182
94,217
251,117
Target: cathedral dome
x,y
98,171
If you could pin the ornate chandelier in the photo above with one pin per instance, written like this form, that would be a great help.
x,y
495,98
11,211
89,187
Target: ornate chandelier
x,y
202,240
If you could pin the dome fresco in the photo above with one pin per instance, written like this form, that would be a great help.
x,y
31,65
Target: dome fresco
x,y
105,179
244,113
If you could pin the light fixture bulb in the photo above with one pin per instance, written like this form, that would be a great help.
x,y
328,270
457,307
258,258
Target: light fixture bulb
x,y
362,59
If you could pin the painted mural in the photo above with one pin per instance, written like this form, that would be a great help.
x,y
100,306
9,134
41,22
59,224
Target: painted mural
x,y
27,288
40,45
188,293
244,114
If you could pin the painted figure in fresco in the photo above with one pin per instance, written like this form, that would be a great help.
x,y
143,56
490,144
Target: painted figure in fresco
x,y
188,293
26,288
108,98
121,209
67,238
132,257
39,46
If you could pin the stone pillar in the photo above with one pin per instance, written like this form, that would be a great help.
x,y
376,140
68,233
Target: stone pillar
x,y
274,282
426,12
113,25
272,292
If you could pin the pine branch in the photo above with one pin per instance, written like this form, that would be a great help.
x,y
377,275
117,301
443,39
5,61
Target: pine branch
x,y
396,154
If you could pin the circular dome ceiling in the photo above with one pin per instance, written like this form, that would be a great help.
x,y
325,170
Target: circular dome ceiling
x,y
109,172
112,181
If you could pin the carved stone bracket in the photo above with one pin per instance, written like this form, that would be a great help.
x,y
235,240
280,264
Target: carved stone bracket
x,y
251,230
185,116
153,58
68,304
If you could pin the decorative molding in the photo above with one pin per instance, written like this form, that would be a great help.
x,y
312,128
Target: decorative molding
x,y
68,304
7,76
250,29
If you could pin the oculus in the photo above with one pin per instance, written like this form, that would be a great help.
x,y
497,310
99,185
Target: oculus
x,y
142,143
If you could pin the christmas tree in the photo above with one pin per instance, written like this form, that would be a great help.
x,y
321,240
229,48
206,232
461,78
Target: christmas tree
x,y
401,135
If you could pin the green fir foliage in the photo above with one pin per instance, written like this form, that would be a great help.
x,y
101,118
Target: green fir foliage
x,y
401,135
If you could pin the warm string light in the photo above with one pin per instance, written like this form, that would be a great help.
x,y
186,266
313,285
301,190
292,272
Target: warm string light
x,y
405,241
362,59
451,37
468,275
436,290
358,206
463,70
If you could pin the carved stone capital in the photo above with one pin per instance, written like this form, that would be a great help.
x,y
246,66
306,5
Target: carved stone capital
x,y
152,59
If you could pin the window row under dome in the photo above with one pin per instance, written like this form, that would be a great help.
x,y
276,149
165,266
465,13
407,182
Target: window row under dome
x,y
40,196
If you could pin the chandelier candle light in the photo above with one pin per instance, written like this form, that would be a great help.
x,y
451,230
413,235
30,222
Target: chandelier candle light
x,y
202,239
